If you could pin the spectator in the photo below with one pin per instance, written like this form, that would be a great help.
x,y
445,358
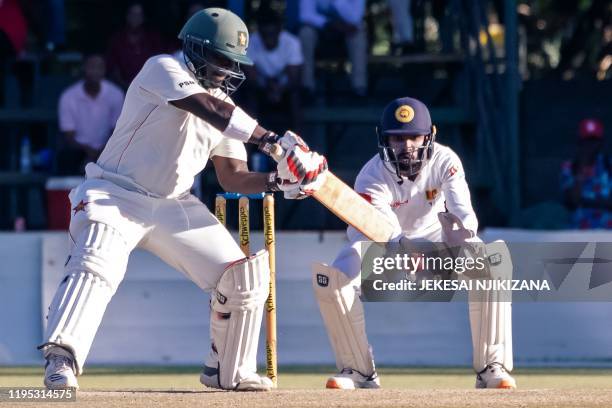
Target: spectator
x,y
132,46
13,35
13,29
587,179
88,111
335,18
275,77
403,31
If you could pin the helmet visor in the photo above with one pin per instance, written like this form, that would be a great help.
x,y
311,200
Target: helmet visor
x,y
408,161
212,67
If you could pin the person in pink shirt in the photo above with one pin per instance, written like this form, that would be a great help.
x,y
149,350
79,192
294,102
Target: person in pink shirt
x,y
88,111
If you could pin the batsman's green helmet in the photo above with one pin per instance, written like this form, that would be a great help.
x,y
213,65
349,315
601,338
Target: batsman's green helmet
x,y
219,30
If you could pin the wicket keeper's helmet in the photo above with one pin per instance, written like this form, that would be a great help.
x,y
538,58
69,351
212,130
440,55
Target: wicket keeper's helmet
x,y
216,31
405,116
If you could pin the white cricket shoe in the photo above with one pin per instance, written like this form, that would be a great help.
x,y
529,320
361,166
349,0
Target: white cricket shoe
x,y
210,377
349,379
495,376
59,371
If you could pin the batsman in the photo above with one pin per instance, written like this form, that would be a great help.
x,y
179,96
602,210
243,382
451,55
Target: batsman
x,y
177,115
420,186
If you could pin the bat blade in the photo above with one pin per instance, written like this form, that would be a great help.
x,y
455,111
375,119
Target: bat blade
x,y
353,209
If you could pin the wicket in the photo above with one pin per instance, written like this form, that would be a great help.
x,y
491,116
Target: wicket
x,y
244,237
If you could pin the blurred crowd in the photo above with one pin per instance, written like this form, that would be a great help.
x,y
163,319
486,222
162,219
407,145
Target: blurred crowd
x,y
563,39
34,33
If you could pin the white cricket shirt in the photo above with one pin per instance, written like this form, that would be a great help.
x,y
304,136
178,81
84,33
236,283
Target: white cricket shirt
x,y
415,205
157,148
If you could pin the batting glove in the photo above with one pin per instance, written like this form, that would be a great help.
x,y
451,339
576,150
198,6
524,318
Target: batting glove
x,y
301,191
298,164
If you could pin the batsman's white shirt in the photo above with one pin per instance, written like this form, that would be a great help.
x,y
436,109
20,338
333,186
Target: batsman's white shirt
x,y
140,184
412,205
157,148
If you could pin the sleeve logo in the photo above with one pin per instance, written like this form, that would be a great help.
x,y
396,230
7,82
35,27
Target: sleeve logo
x,y
452,171
186,83
431,194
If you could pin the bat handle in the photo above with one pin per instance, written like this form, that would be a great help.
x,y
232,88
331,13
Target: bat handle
x,y
277,152
274,150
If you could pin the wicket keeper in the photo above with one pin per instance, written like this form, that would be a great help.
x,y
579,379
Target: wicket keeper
x,y
420,185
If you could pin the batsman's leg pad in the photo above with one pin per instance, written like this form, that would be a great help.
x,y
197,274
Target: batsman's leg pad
x,y
94,270
491,312
237,308
344,318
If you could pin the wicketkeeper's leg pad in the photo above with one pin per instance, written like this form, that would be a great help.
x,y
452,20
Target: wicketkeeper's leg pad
x,y
96,266
491,312
344,318
236,312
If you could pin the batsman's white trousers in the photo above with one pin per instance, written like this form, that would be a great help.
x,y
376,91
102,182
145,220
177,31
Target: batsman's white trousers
x,y
107,223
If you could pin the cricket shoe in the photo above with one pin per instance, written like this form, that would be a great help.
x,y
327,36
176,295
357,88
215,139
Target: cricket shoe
x,y
59,370
349,379
253,382
495,376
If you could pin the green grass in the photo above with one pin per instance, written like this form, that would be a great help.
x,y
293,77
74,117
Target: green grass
x,y
299,377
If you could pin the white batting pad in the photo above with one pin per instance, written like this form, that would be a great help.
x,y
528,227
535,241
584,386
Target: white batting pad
x,y
343,315
94,270
237,309
491,313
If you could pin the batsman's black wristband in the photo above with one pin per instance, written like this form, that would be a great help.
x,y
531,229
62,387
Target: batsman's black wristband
x,y
267,141
272,182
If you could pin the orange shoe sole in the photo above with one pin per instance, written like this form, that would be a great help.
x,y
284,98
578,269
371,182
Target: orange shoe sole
x,y
332,384
506,385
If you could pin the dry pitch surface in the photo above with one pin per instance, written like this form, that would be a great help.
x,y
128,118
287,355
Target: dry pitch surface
x,y
302,387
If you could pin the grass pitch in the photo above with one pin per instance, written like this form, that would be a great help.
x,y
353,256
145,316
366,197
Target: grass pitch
x,y
303,387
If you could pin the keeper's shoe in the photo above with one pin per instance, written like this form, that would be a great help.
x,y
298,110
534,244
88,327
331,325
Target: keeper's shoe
x,y
495,376
253,382
349,379
59,371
